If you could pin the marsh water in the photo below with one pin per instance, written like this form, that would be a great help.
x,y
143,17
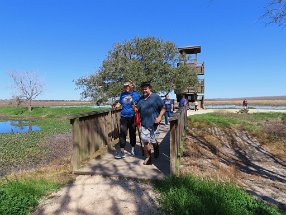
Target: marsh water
x,y
17,126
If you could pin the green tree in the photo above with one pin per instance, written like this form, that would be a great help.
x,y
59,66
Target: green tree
x,y
138,60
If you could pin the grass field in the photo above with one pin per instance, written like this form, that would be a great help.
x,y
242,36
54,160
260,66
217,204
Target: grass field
x,y
191,195
246,150
41,164
38,162
45,103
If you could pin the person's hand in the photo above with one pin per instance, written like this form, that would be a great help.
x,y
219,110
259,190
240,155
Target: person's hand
x,y
158,120
116,105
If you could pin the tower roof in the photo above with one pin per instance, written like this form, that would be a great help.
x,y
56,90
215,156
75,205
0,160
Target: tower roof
x,y
190,49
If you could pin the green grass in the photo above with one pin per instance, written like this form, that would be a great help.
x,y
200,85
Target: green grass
x,y
20,150
193,196
227,119
215,118
44,111
251,122
21,196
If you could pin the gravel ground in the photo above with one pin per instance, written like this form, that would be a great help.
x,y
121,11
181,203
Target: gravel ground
x,y
98,195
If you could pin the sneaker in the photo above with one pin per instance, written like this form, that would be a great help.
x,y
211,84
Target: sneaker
x,y
133,153
147,161
119,155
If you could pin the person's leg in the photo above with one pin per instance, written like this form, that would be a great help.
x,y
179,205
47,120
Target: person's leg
x,y
132,135
122,137
154,134
156,149
166,118
145,138
147,149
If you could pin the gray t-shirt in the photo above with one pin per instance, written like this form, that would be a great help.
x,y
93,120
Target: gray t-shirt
x,y
149,109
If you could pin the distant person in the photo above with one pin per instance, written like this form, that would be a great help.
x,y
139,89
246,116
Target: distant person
x,y
244,104
151,108
128,98
169,106
182,102
196,105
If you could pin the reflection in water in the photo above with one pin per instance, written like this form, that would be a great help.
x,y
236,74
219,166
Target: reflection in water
x,y
17,127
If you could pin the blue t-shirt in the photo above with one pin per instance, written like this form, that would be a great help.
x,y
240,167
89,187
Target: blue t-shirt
x,y
182,102
126,100
149,109
168,104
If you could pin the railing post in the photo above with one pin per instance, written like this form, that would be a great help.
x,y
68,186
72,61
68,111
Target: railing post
x,y
76,144
173,147
108,130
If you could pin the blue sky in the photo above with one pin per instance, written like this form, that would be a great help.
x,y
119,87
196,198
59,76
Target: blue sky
x,y
63,40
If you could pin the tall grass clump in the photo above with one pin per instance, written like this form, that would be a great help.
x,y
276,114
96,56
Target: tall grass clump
x,y
21,196
193,196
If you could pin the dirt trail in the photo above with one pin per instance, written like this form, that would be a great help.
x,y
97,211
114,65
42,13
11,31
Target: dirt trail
x,y
98,195
234,155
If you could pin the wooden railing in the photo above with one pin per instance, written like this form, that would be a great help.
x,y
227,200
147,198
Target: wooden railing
x,y
92,132
97,130
199,67
177,130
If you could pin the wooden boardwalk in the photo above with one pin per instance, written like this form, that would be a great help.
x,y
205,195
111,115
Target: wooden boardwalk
x,y
132,167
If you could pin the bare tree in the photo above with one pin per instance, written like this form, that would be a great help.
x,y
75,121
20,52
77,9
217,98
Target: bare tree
x,y
275,12
28,86
17,100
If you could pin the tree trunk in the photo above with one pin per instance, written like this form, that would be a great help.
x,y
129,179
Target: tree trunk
x,y
30,105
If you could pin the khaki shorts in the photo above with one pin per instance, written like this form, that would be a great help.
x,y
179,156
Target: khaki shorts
x,y
149,135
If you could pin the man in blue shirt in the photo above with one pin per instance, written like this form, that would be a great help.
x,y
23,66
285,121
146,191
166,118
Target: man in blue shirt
x,y
151,109
128,98
169,106
182,102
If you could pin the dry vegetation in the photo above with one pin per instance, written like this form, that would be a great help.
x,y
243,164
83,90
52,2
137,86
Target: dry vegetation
x,y
271,101
254,161
44,103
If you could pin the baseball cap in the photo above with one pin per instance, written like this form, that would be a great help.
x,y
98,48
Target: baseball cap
x,y
128,83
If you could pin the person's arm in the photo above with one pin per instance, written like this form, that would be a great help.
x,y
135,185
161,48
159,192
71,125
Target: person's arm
x,y
116,105
159,118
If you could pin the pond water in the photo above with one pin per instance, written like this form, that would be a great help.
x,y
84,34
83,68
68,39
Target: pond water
x,y
17,127
249,106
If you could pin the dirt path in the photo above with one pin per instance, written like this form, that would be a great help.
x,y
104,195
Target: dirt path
x,y
98,195
234,155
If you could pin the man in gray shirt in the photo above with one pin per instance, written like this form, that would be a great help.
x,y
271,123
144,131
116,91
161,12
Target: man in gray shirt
x,y
151,108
